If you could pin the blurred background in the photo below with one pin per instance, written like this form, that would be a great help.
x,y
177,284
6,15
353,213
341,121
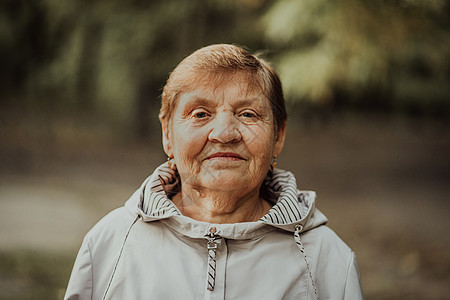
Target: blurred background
x,y
367,90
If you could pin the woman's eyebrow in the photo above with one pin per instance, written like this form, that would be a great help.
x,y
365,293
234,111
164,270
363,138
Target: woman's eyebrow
x,y
248,102
195,102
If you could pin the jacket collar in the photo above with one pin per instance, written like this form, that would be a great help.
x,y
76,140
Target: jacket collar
x,y
291,207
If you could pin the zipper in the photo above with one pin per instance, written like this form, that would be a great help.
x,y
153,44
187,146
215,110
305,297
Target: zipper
x,y
213,243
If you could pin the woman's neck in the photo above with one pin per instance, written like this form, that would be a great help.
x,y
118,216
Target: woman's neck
x,y
220,206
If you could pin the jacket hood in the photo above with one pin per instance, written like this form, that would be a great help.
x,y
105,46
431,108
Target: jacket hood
x,y
291,210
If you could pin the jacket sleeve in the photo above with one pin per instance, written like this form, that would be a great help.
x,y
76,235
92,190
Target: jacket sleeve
x,y
353,290
80,282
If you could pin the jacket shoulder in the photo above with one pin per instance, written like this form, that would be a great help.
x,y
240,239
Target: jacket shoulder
x,y
325,239
110,226
335,264
98,254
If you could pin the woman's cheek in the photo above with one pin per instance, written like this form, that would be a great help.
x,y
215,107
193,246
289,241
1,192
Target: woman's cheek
x,y
190,143
261,139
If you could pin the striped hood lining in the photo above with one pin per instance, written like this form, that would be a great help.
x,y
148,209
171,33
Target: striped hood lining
x,y
289,205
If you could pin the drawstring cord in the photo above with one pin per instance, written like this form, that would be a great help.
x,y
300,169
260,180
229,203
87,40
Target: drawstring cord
x,y
212,245
298,241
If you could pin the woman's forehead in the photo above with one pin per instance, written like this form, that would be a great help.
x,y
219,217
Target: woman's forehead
x,y
221,84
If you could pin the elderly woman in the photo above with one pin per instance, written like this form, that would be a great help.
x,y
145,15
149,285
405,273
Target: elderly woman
x,y
218,220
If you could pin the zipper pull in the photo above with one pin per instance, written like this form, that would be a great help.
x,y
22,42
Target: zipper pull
x,y
213,243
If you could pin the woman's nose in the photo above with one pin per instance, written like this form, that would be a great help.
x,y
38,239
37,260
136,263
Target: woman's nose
x,y
225,130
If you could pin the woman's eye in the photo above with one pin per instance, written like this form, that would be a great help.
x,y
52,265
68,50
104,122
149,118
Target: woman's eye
x,y
248,114
200,115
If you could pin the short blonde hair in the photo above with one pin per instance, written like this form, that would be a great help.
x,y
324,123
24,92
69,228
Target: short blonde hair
x,y
210,65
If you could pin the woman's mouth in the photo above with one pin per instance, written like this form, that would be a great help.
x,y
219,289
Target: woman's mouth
x,y
225,156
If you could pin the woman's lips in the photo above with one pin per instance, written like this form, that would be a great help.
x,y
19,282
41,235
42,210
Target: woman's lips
x,y
225,155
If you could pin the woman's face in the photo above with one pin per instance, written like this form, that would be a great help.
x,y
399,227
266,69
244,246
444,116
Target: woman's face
x,y
223,138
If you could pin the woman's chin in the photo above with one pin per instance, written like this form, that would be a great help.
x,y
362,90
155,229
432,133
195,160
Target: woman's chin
x,y
225,179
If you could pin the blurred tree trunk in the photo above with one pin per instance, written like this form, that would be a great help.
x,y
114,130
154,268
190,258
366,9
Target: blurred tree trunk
x,y
147,109
86,86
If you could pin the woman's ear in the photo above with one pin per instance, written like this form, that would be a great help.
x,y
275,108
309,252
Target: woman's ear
x,y
279,141
166,138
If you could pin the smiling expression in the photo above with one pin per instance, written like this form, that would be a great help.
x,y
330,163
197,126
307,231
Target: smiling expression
x,y
223,138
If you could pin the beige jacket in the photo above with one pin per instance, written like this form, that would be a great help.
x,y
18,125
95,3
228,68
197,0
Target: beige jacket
x,y
148,250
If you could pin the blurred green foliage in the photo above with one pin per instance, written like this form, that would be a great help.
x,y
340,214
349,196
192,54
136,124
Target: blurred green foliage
x,y
26,274
113,57
374,54
110,56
